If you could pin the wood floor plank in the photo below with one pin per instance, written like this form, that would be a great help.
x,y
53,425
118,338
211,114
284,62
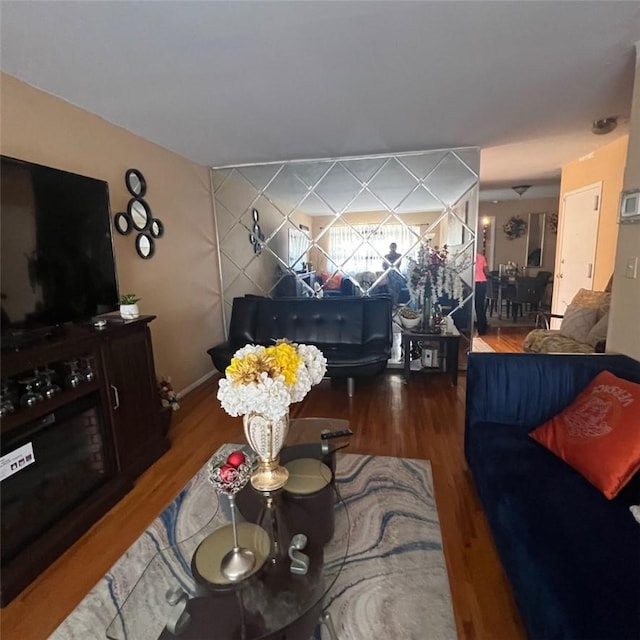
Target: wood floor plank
x,y
506,339
423,419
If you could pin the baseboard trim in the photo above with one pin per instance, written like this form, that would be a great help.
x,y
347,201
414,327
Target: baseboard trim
x,y
195,384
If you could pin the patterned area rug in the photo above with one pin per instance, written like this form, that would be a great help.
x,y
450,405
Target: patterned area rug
x,y
394,582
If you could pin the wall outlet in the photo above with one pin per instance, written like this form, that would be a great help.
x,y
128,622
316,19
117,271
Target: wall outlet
x,y
631,270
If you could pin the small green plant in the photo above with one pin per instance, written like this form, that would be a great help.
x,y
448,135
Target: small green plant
x,y
128,298
408,313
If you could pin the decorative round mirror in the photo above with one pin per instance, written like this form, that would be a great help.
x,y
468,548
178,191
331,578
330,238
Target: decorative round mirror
x,y
157,228
123,223
140,214
136,184
145,246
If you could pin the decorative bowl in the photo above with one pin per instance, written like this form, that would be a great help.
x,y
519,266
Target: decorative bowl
x,y
410,323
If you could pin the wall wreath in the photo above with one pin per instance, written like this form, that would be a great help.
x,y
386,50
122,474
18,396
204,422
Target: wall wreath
x,y
514,227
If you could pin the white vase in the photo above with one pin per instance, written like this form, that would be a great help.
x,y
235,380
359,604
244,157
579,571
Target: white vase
x,y
129,311
267,437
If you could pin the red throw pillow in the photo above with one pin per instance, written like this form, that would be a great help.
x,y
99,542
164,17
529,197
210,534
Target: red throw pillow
x,y
598,434
332,281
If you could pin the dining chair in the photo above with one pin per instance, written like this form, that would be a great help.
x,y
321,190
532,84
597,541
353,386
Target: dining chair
x,y
491,299
528,293
496,298
544,276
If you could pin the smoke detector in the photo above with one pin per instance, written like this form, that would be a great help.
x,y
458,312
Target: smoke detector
x,y
604,125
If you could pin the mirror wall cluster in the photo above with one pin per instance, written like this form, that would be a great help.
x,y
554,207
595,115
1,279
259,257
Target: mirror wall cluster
x,y
138,216
327,221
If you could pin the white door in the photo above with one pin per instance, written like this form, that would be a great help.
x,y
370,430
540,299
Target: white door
x,y
577,245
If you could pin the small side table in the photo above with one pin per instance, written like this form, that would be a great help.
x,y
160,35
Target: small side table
x,y
450,342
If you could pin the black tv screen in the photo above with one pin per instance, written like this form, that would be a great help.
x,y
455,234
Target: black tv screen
x,y
57,260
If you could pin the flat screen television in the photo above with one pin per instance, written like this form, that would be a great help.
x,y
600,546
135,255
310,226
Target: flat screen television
x,y
57,262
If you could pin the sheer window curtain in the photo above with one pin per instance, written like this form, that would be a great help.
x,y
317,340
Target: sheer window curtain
x,y
298,246
360,247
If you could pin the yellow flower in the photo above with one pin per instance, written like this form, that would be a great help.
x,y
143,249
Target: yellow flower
x,y
286,361
281,359
248,368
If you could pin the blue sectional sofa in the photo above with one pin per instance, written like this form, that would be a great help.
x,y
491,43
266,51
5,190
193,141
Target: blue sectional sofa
x,y
572,556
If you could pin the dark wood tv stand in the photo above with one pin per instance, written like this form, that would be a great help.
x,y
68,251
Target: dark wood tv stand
x,y
123,394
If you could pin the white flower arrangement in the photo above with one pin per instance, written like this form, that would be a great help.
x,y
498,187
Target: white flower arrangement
x,y
434,275
267,380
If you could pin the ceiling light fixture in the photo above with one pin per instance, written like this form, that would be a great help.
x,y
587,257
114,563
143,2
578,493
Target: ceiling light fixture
x,y
521,189
604,125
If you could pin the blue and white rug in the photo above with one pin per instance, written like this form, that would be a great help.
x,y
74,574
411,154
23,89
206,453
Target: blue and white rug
x,y
394,582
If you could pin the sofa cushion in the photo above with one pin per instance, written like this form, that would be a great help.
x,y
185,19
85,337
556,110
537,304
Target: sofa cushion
x,y
605,305
598,434
318,322
598,333
588,299
578,321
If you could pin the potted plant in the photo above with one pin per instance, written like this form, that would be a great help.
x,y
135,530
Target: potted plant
x,y
129,306
409,318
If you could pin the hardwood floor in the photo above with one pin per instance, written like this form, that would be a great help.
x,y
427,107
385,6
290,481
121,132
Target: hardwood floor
x,y
423,419
506,339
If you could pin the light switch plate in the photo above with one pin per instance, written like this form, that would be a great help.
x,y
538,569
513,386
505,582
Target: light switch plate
x,y
632,268
629,206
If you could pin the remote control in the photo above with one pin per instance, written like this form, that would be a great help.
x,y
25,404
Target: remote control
x,y
327,435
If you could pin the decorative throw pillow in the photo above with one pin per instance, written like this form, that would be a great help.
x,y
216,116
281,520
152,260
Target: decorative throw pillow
x,y
598,434
331,281
588,298
598,332
604,306
577,322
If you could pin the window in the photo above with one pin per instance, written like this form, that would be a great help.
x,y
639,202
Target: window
x,y
298,246
360,247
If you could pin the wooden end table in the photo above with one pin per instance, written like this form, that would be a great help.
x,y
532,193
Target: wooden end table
x,y
449,341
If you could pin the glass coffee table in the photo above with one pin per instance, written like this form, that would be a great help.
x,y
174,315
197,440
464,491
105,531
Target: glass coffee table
x,y
181,592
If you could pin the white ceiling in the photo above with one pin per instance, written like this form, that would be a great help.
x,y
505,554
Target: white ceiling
x,y
231,82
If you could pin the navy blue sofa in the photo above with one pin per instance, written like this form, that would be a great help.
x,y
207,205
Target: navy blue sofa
x,y
572,556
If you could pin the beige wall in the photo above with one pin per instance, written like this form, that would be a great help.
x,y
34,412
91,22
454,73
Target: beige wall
x,y
604,165
625,300
180,284
515,250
